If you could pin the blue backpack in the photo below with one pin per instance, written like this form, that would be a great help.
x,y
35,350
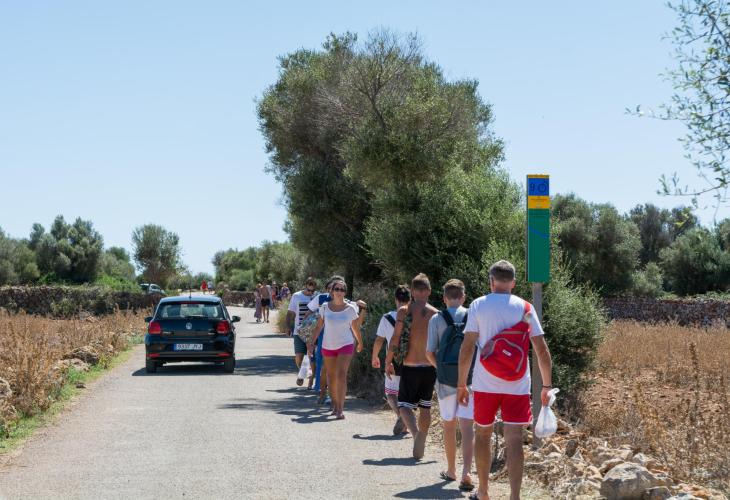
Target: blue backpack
x,y
447,356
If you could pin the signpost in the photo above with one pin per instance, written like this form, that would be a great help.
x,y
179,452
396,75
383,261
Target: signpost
x,y
538,267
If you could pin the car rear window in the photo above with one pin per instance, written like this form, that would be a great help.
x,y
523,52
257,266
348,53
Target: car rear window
x,y
190,310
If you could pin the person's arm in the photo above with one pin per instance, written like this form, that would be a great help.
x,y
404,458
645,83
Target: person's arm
x,y
545,362
394,344
362,310
375,360
466,354
290,317
358,336
315,335
432,344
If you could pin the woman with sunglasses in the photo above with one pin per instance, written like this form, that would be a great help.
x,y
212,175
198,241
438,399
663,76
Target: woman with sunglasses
x,y
340,320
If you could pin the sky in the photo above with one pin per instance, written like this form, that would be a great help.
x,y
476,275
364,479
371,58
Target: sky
x,y
127,113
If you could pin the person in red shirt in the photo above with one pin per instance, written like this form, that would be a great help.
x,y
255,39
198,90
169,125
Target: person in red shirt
x,y
204,286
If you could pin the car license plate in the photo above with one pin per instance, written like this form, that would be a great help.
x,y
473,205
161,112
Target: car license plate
x,y
188,347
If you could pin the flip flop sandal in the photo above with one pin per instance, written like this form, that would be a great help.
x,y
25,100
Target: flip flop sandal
x,y
474,496
443,475
466,486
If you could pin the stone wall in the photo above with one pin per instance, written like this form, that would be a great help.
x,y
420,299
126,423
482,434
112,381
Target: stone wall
x,y
66,301
238,298
695,312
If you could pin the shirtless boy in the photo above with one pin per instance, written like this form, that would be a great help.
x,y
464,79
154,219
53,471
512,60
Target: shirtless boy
x,y
418,376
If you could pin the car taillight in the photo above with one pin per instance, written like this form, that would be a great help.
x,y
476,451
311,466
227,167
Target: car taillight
x,y
223,327
155,328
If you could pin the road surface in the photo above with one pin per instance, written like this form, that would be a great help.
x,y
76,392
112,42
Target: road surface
x,y
191,431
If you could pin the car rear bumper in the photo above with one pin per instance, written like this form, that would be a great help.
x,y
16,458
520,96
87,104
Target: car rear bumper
x,y
212,349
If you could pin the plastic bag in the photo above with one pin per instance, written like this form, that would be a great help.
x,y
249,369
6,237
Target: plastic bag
x,y
547,422
305,370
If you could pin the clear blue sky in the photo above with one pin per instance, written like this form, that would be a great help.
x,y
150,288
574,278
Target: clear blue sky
x,y
133,112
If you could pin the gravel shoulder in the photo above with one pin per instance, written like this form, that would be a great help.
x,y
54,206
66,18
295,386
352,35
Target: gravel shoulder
x,y
191,431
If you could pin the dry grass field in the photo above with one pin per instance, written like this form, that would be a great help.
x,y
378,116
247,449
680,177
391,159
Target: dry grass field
x,y
32,351
664,390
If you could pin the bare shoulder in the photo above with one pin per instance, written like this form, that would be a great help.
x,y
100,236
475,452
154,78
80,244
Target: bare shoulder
x,y
402,312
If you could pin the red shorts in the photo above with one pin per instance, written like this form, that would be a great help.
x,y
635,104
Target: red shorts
x,y
516,409
333,353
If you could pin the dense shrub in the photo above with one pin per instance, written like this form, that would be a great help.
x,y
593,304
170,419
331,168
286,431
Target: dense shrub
x,y
695,263
648,282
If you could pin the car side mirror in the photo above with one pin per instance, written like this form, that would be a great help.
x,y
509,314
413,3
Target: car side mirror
x,y
148,319
235,319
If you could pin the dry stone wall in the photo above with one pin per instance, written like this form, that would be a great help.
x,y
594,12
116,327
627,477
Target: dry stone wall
x,y
66,301
686,312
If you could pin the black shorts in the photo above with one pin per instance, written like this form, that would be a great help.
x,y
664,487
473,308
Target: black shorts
x,y
416,386
265,302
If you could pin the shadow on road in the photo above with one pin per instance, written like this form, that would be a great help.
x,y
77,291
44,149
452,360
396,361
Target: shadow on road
x,y
182,370
381,437
270,336
433,491
267,366
404,461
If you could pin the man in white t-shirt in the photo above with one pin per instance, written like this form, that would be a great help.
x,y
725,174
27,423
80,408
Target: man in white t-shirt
x,y
297,311
500,385
383,336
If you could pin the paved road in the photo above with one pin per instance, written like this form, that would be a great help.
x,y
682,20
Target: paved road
x,y
191,431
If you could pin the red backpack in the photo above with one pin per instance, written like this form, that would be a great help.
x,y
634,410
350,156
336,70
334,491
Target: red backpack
x,y
505,354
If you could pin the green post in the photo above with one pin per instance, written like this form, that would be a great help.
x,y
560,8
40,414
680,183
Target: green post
x,y
538,268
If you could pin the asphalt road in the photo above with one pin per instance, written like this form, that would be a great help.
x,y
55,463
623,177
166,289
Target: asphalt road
x,y
191,431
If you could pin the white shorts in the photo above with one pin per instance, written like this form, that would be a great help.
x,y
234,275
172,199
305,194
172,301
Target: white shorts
x,y
450,408
392,384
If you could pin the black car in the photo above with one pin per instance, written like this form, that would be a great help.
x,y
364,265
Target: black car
x,y
195,328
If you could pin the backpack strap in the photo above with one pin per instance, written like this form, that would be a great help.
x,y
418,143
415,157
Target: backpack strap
x,y
389,319
447,317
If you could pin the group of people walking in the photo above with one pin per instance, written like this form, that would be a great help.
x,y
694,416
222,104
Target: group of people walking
x,y
266,297
475,358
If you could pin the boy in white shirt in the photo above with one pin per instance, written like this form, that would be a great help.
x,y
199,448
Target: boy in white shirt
x,y
502,372
383,336
441,350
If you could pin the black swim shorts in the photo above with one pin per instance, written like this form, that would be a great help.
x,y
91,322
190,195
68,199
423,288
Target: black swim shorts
x,y
416,386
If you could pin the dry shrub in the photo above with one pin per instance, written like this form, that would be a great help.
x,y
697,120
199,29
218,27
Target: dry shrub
x,y
664,389
31,348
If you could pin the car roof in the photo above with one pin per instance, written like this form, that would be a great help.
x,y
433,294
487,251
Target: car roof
x,y
213,299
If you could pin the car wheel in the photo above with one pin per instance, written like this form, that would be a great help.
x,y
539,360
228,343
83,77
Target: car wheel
x,y
229,365
150,366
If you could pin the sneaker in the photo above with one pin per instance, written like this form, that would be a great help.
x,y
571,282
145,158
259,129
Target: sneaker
x,y
399,427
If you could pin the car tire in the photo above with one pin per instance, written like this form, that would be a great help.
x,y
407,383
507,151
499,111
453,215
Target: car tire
x,y
229,365
150,366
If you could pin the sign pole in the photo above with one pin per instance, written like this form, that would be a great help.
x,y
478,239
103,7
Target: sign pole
x,y
535,368
538,270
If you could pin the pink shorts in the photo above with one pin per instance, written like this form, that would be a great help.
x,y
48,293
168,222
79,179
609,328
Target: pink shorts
x,y
342,351
516,409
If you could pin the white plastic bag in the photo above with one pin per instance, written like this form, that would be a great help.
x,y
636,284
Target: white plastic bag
x,y
547,422
305,370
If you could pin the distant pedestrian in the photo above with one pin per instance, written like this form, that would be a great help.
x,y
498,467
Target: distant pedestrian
x,y
445,336
502,326
284,292
204,287
265,300
341,322
257,298
383,336
274,294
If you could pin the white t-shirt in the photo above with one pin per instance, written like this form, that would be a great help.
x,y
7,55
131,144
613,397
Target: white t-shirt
x,y
298,305
489,315
337,326
385,329
314,304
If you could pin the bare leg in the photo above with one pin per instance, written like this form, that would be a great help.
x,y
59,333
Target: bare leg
x,y
330,364
409,418
450,446
298,359
483,451
343,364
323,381
393,403
467,446
314,370
515,458
424,419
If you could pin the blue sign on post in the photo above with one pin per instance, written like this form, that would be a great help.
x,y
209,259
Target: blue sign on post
x,y
538,186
